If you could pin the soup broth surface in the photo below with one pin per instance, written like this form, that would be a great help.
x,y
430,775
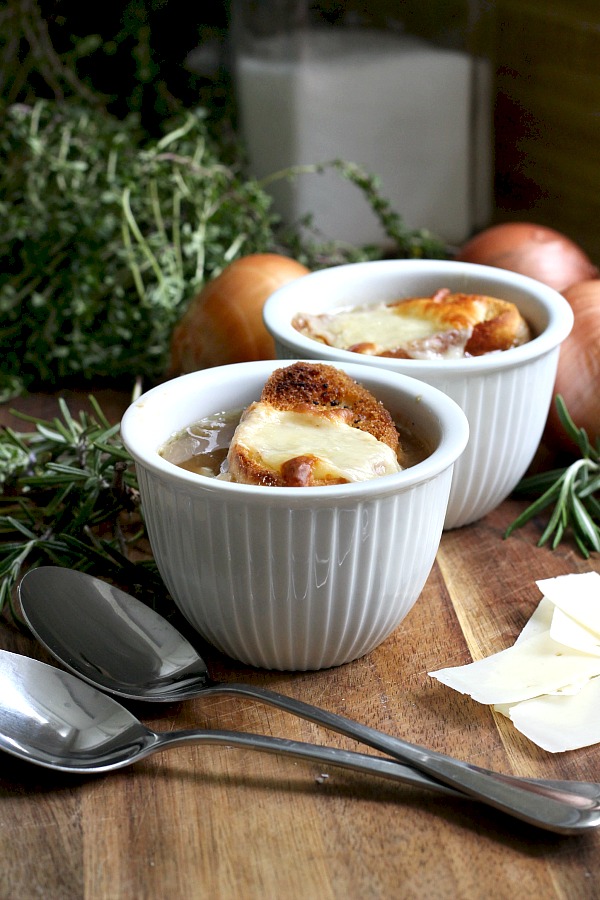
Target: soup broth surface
x,y
203,446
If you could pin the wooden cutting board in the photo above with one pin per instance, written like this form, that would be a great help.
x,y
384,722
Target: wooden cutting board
x,y
218,822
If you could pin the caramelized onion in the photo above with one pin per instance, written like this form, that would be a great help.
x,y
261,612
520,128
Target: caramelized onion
x,y
578,375
534,250
223,323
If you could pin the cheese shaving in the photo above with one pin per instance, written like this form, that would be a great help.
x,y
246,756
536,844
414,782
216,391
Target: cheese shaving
x,y
559,722
548,682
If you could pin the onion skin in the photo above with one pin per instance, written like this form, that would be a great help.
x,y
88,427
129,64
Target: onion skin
x,y
533,250
223,323
578,374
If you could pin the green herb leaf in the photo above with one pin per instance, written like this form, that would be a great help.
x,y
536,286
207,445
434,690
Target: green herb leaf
x,y
571,491
106,238
70,498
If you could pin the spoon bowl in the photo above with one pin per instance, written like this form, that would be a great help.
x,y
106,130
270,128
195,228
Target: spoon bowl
x,y
122,646
109,638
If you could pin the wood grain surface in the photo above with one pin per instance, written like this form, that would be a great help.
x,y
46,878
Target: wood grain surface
x,y
223,823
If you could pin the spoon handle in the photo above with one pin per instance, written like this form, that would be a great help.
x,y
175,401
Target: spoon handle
x,y
549,805
331,756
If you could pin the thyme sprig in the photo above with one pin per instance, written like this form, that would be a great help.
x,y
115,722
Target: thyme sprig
x,y
70,497
573,492
403,242
106,236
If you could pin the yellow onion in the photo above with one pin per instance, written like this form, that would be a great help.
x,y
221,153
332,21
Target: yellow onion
x,y
578,375
223,323
534,250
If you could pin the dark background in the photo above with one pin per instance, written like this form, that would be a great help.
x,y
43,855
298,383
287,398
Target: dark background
x,y
125,57
137,57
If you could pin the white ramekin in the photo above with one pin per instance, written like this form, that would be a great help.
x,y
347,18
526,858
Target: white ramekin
x,y
506,396
292,578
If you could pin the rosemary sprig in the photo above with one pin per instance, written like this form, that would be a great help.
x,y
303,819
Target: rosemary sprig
x,y
573,492
70,497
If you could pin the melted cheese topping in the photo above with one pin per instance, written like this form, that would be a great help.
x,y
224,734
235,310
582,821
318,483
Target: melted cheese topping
x,y
443,326
383,328
379,324
272,437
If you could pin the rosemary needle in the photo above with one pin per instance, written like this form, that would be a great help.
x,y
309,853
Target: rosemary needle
x,y
571,494
70,497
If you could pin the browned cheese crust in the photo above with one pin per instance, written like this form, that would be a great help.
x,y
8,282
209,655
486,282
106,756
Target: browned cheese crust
x,y
305,386
500,327
321,390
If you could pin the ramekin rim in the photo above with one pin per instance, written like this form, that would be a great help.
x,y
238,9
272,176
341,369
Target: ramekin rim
x,y
453,424
560,316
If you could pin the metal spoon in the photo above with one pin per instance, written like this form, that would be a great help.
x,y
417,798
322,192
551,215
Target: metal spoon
x,y
116,642
55,720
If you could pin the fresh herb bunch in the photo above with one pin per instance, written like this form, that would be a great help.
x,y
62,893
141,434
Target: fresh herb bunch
x,y
106,237
573,492
70,498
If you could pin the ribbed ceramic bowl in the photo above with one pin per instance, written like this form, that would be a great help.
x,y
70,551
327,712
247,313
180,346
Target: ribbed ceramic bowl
x,y
292,578
506,396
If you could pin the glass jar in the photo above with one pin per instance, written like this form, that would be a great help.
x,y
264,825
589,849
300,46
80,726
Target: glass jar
x,y
404,90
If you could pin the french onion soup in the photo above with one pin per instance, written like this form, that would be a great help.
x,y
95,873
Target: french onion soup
x,y
313,425
444,326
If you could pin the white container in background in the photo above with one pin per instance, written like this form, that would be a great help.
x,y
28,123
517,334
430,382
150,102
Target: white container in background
x,y
416,114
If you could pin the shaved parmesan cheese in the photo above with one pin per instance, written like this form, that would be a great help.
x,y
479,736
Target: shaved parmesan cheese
x,y
567,631
577,595
541,620
548,682
525,670
561,722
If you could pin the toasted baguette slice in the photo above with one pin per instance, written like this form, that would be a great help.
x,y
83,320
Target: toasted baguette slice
x,y
313,425
445,326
